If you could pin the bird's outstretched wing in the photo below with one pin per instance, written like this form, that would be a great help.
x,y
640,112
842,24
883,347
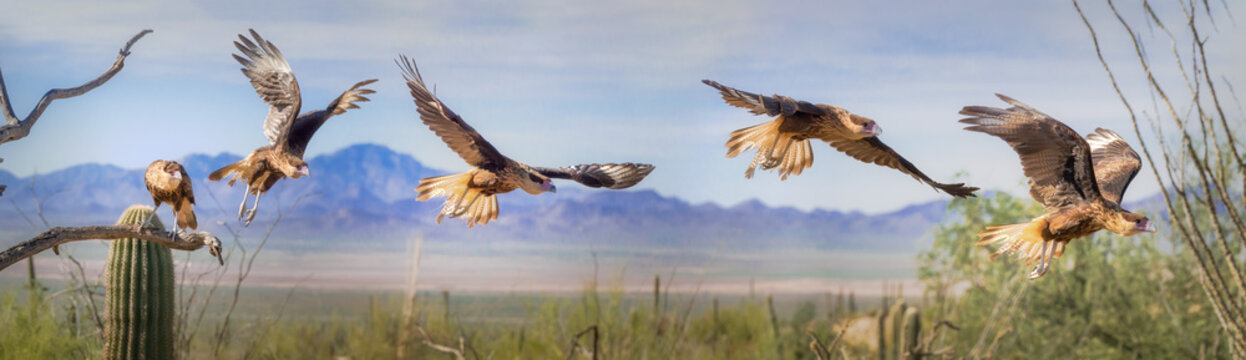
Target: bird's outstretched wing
x,y
1054,157
461,138
874,151
610,176
307,124
759,104
273,80
1115,163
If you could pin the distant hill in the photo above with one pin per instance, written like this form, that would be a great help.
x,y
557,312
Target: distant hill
x,y
363,195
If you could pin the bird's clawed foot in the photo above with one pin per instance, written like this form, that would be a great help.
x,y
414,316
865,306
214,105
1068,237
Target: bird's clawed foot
x,y
246,215
250,216
242,207
1044,262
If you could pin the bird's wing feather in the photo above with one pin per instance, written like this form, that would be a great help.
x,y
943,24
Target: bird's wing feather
x,y
610,176
457,134
184,186
273,80
768,105
1115,163
307,124
1054,157
874,151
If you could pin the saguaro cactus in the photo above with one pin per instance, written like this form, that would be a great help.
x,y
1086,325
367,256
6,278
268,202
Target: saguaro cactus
x,y
910,334
139,305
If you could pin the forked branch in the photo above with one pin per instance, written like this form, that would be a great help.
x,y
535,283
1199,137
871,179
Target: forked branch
x,y
59,235
15,128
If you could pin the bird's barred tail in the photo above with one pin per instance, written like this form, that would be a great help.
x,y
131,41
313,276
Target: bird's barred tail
x,y
1024,239
461,200
774,149
186,215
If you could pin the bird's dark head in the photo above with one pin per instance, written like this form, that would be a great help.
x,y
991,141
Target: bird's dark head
x,y
864,127
535,183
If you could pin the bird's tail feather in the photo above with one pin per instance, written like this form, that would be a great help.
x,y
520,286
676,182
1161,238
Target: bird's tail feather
x,y
186,215
774,149
1024,239
462,200
225,171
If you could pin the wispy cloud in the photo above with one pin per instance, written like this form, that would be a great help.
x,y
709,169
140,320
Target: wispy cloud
x,y
552,82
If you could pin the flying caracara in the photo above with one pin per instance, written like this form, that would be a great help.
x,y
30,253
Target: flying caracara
x,y
1079,181
473,194
784,142
288,133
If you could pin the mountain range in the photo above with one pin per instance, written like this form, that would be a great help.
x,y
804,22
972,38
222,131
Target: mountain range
x,y
363,196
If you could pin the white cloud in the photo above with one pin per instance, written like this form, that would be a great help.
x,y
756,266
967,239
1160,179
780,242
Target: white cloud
x,y
553,82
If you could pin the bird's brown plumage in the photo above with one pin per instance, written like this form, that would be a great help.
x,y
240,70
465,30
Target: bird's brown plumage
x,y
784,142
288,132
1080,184
472,195
168,183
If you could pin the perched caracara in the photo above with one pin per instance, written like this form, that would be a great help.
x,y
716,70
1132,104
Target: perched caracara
x,y
784,142
473,194
168,184
287,133
1079,181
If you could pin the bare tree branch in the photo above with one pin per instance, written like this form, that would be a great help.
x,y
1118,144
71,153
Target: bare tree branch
x,y
428,341
59,235
15,128
575,343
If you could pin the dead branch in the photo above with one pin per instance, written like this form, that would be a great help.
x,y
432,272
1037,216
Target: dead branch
x,y
15,128
575,343
59,235
428,341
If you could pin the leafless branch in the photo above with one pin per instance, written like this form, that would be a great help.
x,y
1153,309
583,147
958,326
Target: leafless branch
x,y
15,128
59,235
90,294
822,351
428,341
1177,188
244,270
575,342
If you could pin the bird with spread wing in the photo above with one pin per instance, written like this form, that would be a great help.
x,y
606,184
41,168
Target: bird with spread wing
x,y
472,195
784,142
1079,181
288,132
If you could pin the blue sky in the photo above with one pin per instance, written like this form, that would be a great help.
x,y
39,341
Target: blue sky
x,y
557,83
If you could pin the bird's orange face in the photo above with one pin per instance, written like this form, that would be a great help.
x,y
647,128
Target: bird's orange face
x,y
173,170
294,167
534,183
864,127
1129,224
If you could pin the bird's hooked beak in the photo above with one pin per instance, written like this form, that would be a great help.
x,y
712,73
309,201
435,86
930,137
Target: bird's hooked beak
x,y
177,175
304,170
548,186
872,129
1145,226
